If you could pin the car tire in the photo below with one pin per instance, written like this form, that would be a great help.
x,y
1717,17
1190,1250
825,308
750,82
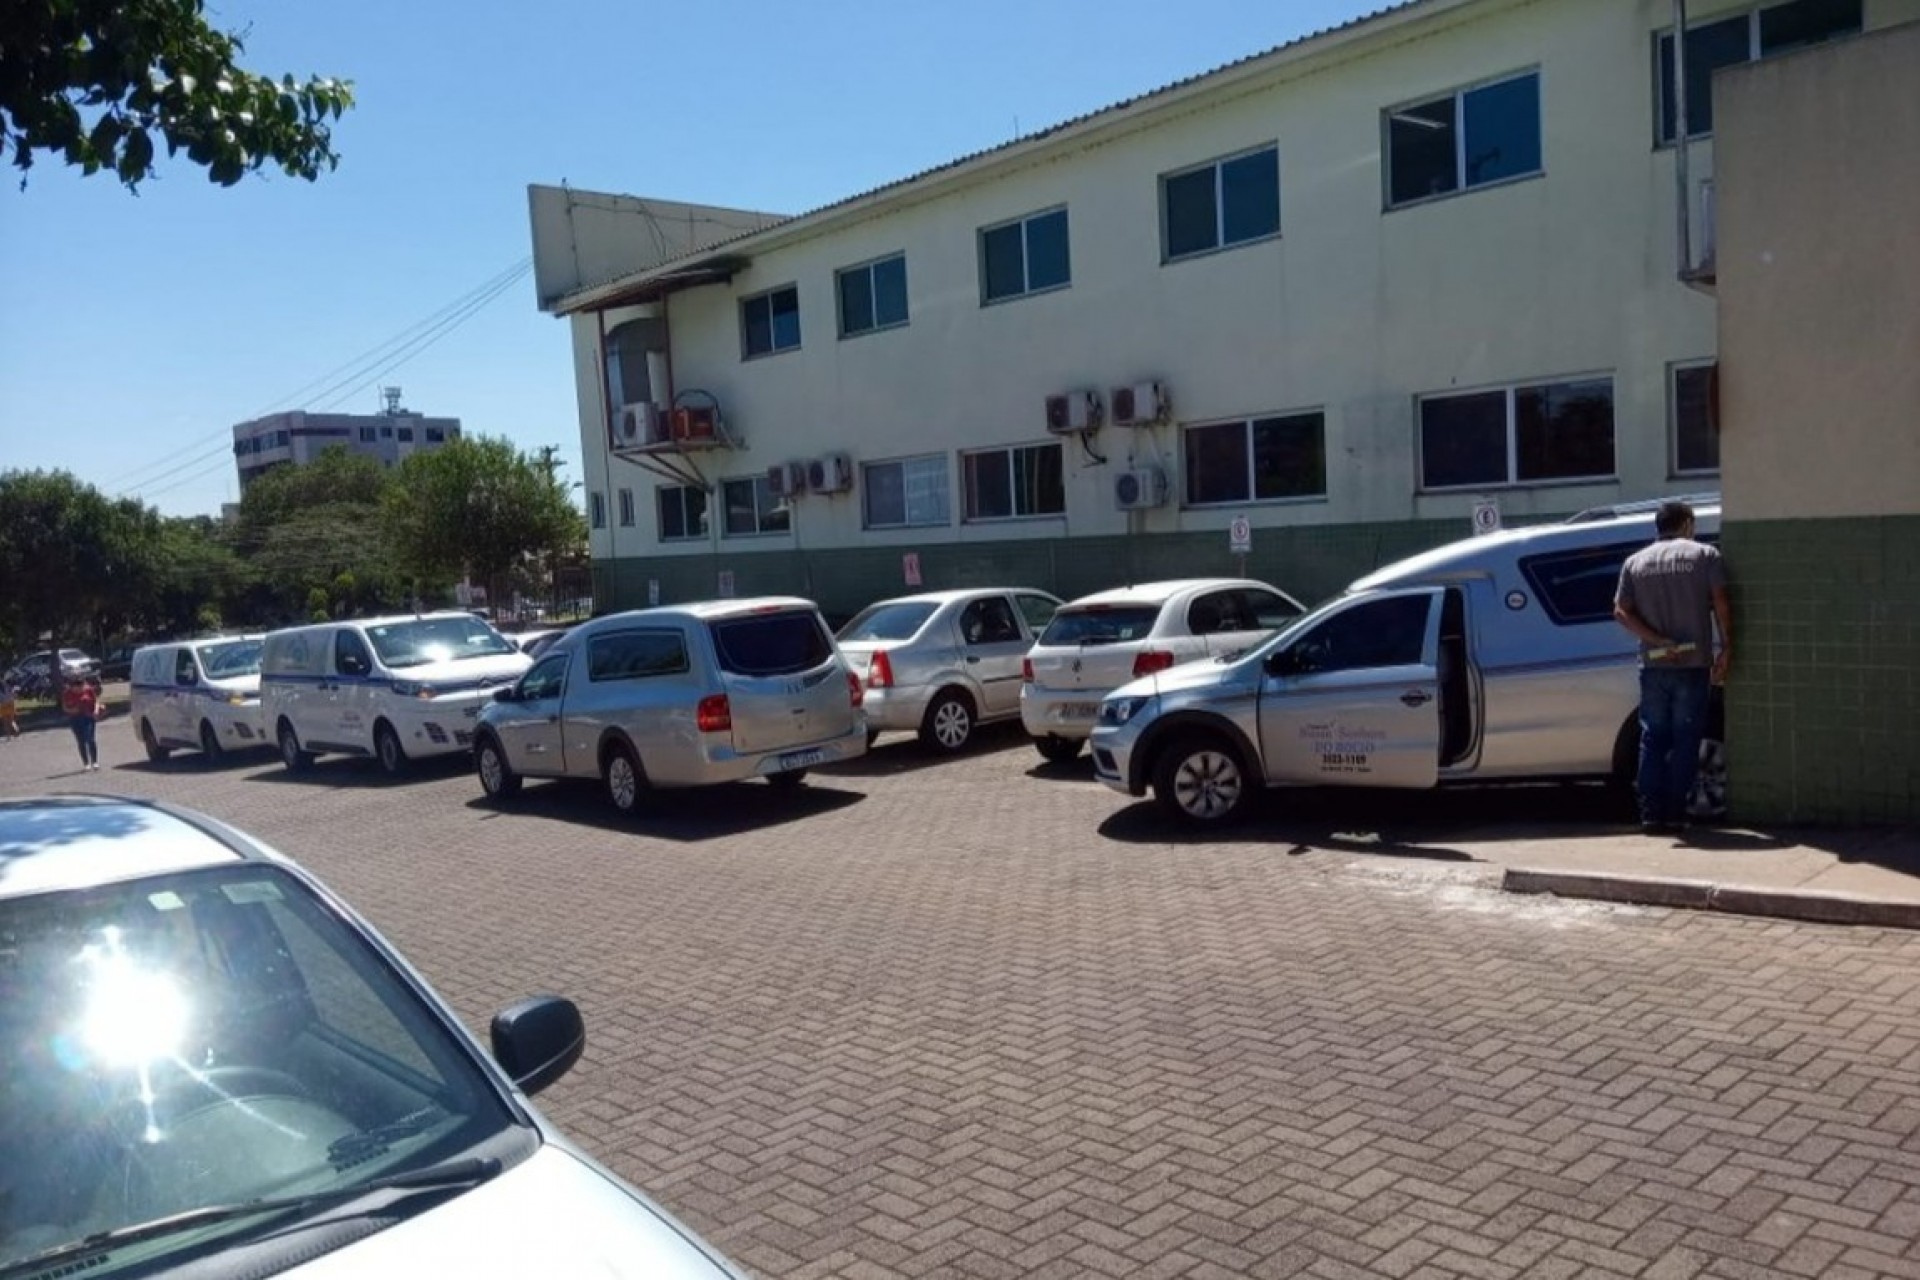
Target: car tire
x,y
388,751
497,777
1057,750
948,725
1708,802
624,779
155,752
291,755
788,781
1201,779
210,743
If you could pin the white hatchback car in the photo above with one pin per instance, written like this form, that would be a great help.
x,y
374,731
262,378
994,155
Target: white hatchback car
x,y
211,1064
1100,642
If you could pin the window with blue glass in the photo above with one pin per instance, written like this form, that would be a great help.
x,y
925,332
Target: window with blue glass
x,y
1221,203
1744,37
770,322
873,296
1027,255
1468,138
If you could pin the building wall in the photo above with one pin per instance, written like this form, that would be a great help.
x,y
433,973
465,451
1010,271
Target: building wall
x,y
1819,285
308,435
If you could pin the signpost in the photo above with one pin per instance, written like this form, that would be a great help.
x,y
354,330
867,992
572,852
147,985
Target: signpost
x,y
1486,518
1240,541
910,566
653,591
726,584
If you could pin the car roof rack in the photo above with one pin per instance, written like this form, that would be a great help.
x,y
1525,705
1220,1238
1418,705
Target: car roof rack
x,y
1614,511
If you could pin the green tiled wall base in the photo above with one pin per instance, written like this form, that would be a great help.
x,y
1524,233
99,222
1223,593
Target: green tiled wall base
x,y
1823,708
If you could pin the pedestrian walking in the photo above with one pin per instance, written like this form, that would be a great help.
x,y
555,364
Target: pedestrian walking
x,y
9,709
1671,596
81,701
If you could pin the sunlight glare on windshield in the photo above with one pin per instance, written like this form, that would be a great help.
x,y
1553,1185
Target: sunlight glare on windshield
x,y
134,1016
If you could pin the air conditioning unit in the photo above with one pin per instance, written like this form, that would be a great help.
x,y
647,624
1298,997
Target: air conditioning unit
x,y
636,424
831,474
1140,488
787,479
1073,411
1139,405
694,423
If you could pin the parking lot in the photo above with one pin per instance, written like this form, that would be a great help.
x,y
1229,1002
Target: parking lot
x,y
982,1017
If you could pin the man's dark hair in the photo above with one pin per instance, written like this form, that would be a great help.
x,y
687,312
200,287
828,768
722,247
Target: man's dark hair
x,y
1671,519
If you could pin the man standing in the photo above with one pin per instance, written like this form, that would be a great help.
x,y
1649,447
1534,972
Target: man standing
x,y
1670,596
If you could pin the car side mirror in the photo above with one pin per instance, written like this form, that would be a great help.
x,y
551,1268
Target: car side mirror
x,y
507,693
1282,662
538,1040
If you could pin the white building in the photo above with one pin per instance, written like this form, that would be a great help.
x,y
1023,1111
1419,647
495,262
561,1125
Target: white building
x,y
1382,275
297,437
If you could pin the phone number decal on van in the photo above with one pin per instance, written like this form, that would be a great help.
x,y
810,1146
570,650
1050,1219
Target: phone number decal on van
x,y
1343,748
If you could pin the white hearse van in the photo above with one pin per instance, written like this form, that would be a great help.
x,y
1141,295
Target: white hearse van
x,y
392,688
1491,659
198,694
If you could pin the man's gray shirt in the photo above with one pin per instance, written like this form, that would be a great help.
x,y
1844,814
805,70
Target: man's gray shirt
x,y
1670,585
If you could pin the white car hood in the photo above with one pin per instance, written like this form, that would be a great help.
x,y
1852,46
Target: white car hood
x,y
499,668
551,1215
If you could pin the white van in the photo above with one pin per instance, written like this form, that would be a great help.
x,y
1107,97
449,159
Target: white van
x,y
392,688
198,694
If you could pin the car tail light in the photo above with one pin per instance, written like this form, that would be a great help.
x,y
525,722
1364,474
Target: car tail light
x,y
1149,661
880,672
1026,670
714,714
854,691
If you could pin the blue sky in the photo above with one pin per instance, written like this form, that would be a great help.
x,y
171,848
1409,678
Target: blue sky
x,y
136,330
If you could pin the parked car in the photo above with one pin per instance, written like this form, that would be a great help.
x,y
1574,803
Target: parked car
x,y
677,696
34,673
212,1063
535,643
198,694
1101,641
118,664
1491,659
942,662
392,688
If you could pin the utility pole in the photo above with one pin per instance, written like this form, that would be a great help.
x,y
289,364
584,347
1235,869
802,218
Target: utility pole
x,y
550,459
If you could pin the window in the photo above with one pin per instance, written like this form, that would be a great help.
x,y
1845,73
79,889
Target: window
x,y
625,497
597,509
1518,435
873,296
350,655
368,435
1379,633
683,512
1224,203
1467,139
1696,430
406,435
1258,460
635,655
1024,256
1745,37
436,435
770,322
888,620
989,620
547,679
909,493
386,433
1037,610
1093,624
776,644
1576,587
752,508
1003,484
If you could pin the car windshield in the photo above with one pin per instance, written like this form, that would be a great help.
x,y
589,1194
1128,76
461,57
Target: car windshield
x,y
419,641
771,644
1100,624
211,1037
230,659
889,620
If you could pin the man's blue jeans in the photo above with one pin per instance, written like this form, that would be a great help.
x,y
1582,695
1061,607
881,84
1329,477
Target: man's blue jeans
x,y
1673,716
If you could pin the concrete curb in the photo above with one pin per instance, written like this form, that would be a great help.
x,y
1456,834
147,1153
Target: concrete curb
x,y
1701,895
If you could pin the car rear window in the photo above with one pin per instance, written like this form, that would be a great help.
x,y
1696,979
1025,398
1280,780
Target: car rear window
x,y
1100,624
1577,587
635,655
898,621
771,644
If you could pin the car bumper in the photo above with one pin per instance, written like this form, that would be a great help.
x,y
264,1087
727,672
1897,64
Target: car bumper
x,y
1059,713
895,708
238,727
723,764
1114,747
439,726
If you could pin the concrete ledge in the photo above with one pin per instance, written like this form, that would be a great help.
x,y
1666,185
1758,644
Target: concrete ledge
x,y
1699,895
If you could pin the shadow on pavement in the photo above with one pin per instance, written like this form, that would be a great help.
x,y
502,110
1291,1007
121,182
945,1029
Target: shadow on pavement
x,y
357,771
691,814
898,753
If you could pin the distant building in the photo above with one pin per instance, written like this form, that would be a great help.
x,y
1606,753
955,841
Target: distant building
x,y
297,436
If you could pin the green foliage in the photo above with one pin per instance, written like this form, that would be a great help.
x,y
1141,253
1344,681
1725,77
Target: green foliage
x,y
317,605
317,527
103,83
63,549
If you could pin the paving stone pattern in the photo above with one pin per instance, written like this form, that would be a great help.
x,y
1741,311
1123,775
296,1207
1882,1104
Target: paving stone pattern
x,y
979,1018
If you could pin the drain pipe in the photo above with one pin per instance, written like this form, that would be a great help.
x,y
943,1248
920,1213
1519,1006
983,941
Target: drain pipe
x,y
1680,130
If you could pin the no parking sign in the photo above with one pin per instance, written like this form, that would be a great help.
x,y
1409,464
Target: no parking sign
x,y
1486,518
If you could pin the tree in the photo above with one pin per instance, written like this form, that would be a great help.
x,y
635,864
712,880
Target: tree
x,y
316,528
478,506
100,82
69,556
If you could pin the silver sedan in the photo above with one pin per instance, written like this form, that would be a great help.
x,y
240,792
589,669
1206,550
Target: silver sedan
x,y
942,662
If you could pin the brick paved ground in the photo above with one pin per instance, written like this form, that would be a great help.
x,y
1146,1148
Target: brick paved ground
x,y
981,1018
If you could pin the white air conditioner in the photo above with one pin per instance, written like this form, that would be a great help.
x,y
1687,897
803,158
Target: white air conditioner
x,y
1072,412
787,479
1140,488
636,424
830,474
1140,405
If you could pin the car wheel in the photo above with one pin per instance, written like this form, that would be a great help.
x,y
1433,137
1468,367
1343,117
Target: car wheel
x,y
948,724
624,779
1709,798
296,760
497,777
1056,749
1201,780
155,752
210,741
387,748
788,781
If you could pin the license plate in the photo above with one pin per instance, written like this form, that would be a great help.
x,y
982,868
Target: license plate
x,y
1079,710
800,759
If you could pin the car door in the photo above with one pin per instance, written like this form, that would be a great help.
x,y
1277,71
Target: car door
x,y
993,645
1354,700
529,724
183,698
347,709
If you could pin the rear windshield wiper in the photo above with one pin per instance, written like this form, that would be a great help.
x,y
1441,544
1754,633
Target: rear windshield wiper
x,y
465,1172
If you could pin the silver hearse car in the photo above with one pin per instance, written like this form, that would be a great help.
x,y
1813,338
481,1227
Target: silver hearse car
x,y
942,662
677,696
1495,658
